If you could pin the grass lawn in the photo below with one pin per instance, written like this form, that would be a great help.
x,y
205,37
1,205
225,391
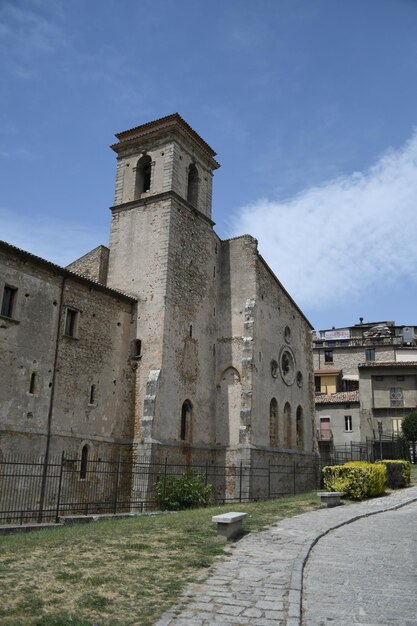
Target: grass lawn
x,y
123,572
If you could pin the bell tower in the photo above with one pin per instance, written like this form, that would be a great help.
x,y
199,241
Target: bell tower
x,y
164,156
163,251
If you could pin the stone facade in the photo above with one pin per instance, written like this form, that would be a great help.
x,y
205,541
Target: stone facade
x,y
62,388
195,350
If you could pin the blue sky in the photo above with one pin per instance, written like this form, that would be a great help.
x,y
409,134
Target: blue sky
x,y
310,105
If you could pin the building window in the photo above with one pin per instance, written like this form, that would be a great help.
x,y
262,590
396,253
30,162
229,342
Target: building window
x,y
32,384
348,423
328,356
396,426
300,428
370,354
396,397
273,423
274,369
71,323
143,176
137,348
92,394
8,301
287,426
186,415
192,185
84,461
317,384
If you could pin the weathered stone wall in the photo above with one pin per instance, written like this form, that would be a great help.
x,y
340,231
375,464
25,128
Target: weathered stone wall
x,y
93,265
170,164
347,359
64,367
189,331
282,337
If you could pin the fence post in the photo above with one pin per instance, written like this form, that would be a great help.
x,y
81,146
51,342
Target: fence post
x,y
269,478
293,476
240,481
117,485
58,498
165,476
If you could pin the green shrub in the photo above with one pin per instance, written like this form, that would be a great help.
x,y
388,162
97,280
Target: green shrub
x,y
174,493
402,447
398,473
356,479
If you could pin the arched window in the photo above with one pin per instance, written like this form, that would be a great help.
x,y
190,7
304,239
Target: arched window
x,y
300,428
143,176
186,414
273,423
84,461
192,185
287,426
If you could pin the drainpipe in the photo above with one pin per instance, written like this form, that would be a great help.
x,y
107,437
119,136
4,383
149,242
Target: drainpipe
x,y
51,404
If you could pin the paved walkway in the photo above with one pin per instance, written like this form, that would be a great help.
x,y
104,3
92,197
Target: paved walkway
x,y
260,583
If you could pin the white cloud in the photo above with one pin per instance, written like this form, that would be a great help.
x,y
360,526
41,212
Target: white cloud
x,y
342,238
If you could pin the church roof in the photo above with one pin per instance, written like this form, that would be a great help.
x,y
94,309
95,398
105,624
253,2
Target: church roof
x,y
8,247
169,121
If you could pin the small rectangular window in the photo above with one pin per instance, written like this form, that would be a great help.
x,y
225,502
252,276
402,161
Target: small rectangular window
x,y
317,384
92,394
348,423
328,356
370,354
71,323
8,301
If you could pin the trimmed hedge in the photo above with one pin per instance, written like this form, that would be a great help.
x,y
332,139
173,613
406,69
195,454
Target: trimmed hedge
x,y
357,479
398,473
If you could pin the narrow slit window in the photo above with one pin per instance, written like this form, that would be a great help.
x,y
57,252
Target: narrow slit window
x,y
92,394
32,385
191,330
138,348
186,414
8,301
84,462
192,185
71,323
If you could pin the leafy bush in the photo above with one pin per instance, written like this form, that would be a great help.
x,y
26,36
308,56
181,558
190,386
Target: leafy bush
x,y
398,473
174,493
356,479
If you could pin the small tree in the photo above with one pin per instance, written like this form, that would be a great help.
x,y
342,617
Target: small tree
x,y
409,428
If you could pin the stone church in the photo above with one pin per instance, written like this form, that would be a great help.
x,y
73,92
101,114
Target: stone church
x,y
170,343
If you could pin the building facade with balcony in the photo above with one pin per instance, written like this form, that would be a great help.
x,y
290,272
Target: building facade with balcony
x,y
365,381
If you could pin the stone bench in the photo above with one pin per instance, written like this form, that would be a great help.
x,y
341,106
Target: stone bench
x,y
330,498
229,525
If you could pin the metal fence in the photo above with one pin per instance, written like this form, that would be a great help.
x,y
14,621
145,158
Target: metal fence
x,y
32,491
385,447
